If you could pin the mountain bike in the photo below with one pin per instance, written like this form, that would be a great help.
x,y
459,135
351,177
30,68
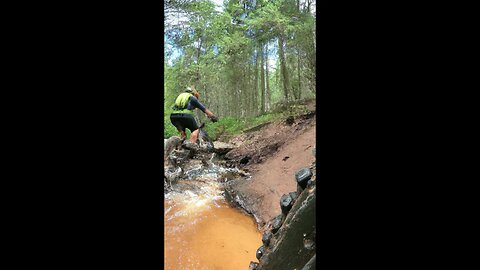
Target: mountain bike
x,y
204,141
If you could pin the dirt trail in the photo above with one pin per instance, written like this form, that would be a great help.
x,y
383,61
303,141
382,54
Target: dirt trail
x,y
274,153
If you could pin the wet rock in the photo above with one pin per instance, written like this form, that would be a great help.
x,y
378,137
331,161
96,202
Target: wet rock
x,y
171,143
267,236
171,175
293,195
260,252
277,223
302,177
178,157
222,148
165,185
252,266
191,146
294,245
286,203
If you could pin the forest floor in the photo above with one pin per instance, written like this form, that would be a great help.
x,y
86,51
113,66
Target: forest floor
x,y
272,154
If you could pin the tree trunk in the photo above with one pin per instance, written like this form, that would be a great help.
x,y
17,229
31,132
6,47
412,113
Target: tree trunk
x,y
299,78
255,88
262,80
197,77
248,102
267,93
283,67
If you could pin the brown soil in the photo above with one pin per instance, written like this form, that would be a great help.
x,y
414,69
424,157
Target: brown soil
x,y
272,154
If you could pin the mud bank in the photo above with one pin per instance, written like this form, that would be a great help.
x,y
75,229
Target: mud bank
x,y
289,238
280,194
271,171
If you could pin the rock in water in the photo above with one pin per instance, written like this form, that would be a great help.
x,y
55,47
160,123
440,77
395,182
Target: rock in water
x,y
260,252
267,236
253,266
171,175
170,144
178,157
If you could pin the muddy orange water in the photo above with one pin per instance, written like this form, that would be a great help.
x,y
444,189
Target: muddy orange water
x,y
203,232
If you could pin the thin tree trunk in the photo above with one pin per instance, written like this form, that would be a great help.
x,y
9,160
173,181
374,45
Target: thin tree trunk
x,y
248,95
197,77
262,79
255,88
267,79
299,78
283,67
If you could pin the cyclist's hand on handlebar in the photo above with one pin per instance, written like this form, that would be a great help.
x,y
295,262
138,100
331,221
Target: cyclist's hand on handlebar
x,y
214,118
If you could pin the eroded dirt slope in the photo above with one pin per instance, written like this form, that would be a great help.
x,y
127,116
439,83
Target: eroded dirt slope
x,y
272,155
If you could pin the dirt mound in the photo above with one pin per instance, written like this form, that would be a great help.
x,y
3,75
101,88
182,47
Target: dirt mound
x,y
272,154
256,146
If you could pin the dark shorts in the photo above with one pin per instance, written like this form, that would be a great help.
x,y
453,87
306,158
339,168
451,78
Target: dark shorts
x,y
183,120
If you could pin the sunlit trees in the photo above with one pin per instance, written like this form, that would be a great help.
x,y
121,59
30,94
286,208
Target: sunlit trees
x,y
243,59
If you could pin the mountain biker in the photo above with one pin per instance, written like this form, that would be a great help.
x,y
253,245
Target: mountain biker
x,y
182,116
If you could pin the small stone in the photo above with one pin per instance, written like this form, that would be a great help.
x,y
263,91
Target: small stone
x,y
266,238
293,195
286,203
277,223
253,266
260,252
302,177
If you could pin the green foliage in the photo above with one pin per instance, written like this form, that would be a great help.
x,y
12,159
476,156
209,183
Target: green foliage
x,y
230,126
225,126
220,53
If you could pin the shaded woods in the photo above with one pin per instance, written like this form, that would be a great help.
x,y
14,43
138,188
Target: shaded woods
x,y
246,57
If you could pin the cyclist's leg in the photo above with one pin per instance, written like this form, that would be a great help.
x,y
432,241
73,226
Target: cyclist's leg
x,y
191,124
194,136
177,121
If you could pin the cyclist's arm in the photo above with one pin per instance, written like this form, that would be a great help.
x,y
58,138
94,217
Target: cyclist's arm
x,y
208,113
194,101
